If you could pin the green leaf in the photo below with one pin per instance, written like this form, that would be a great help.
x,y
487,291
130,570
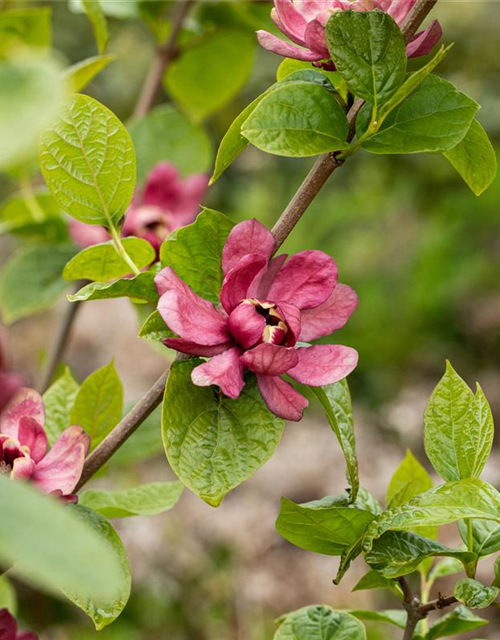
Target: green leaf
x,y
66,554
80,74
88,162
373,580
396,617
327,530
445,568
8,596
435,117
98,21
25,28
102,262
460,620
319,622
474,594
210,74
145,500
59,400
475,159
167,135
369,51
290,67
98,405
298,119
103,611
31,281
36,215
409,480
144,443
485,536
154,328
458,428
336,401
195,253
140,289
213,443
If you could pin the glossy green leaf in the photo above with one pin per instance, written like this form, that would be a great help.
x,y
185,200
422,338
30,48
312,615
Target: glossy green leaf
x,y
25,28
98,405
59,400
319,622
8,597
154,328
140,289
409,480
31,281
102,262
396,617
80,74
475,159
374,580
213,443
460,620
298,120
98,21
88,162
336,402
485,536
474,594
167,135
103,611
144,500
195,253
369,51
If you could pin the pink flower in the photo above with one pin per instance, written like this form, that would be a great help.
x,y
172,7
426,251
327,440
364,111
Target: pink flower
x,y
23,447
268,306
10,383
304,21
8,628
167,203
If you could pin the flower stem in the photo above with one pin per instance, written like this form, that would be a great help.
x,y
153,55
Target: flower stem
x,y
29,197
122,252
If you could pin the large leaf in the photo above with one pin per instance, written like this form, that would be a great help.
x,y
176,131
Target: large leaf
x,y
88,162
102,262
167,135
59,400
25,28
474,594
369,51
80,74
475,159
144,500
336,401
98,21
435,117
209,74
459,621
320,622
31,281
485,536
98,405
298,119
103,611
140,289
458,428
195,253
213,443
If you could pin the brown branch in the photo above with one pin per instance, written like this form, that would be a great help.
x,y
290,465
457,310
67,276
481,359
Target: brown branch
x,y
437,605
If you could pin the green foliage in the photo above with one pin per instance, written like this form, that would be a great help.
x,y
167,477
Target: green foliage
x,y
98,405
395,617
320,622
98,21
88,162
195,253
213,443
31,281
444,568
460,620
409,480
474,594
154,328
144,500
143,444
80,74
141,288
8,597
34,215
485,536
59,400
21,28
373,580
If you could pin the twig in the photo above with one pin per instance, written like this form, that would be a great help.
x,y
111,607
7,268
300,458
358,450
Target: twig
x,y
438,604
164,55
416,610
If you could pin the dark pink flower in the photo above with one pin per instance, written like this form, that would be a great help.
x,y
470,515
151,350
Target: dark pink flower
x,y
166,204
23,447
268,305
304,21
8,628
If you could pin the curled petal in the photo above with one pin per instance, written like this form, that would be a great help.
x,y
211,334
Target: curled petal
x,y
264,279
316,38
247,237
224,370
194,349
26,403
246,325
425,41
329,316
33,436
270,359
22,469
238,280
281,398
8,625
323,364
292,316
285,49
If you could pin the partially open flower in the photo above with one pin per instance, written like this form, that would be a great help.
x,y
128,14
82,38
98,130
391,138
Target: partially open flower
x,y
8,628
23,447
304,22
268,307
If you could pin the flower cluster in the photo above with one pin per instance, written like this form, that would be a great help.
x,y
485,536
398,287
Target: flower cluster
x,y
23,447
8,628
269,307
304,22
166,203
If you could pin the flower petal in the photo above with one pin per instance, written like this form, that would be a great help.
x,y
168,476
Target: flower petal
x,y
270,359
399,9
329,316
323,364
22,469
194,349
425,41
246,325
224,370
316,39
27,402
162,186
292,316
281,398
8,625
238,280
285,49
62,466
247,237
264,279
306,280
33,436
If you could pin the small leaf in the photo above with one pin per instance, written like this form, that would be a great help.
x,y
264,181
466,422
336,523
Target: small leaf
x,y
395,617
154,328
445,568
409,480
373,580
145,500
140,289
80,74
460,620
485,536
102,262
98,405
99,23
474,594
319,622
59,400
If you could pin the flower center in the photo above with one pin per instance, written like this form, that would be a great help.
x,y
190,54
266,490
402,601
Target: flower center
x,y
10,450
276,327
